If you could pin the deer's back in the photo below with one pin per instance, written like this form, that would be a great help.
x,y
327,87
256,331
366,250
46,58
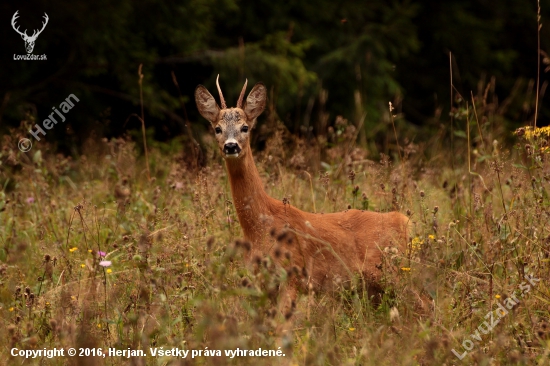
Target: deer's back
x,y
332,246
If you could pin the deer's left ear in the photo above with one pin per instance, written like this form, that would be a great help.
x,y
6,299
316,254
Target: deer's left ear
x,y
208,108
255,102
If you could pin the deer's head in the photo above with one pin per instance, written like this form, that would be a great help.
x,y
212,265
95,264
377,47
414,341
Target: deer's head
x,y
232,125
29,40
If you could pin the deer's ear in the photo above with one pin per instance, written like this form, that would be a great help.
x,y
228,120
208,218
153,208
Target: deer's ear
x,y
206,104
255,102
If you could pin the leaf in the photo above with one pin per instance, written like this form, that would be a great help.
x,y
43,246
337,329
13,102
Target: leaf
x,y
460,133
483,158
521,166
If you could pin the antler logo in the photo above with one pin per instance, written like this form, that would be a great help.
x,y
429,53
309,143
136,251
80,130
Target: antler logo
x,y
29,40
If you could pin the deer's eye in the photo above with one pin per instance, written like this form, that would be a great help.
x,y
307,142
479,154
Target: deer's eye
x,y
218,130
244,129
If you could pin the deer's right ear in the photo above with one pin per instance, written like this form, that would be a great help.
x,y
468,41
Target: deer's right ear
x,y
208,108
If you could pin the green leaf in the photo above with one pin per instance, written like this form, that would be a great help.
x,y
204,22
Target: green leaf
x,y
460,133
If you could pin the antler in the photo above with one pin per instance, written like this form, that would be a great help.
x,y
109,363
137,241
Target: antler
x,y
35,34
222,101
241,97
43,26
13,19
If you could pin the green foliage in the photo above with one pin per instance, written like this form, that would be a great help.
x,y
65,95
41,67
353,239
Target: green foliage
x,y
319,60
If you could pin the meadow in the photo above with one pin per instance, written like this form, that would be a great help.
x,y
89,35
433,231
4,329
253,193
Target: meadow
x,y
115,250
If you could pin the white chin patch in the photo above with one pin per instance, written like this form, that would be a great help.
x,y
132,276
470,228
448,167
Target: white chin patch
x,y
232,155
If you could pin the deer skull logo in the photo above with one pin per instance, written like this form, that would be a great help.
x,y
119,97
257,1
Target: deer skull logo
x,y
29,40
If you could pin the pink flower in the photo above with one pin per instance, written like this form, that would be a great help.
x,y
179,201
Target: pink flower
x,y
30,200
105,263
101,254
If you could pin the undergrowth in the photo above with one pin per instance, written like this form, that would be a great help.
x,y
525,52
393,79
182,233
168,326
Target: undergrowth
x,y
94,254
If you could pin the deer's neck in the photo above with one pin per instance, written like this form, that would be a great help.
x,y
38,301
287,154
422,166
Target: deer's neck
x,y
249,198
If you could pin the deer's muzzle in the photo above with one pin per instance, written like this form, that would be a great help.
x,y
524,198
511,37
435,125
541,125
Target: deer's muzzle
x,y
231,149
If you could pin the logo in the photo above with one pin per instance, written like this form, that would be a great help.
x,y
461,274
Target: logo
x,y
29,40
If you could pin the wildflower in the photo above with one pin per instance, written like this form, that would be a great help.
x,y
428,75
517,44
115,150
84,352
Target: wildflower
x,y
73,249
12,308
351,329
99,325
528,132
406,269
416,244
89,250
82,265
105,263
101,254
109,270
30,200
431,237
497,296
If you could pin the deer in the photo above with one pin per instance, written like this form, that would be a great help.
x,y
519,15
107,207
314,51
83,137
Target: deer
x,y
29,40
329,248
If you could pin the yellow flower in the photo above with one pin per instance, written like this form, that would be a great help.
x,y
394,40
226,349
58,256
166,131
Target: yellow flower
x,y
73,249
12,308
82,265
351,329
98,325
406,269
109,270
416,244
497,296
529,132
89,250
431,237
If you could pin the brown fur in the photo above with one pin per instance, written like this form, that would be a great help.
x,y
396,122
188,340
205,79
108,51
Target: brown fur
x,y
328,247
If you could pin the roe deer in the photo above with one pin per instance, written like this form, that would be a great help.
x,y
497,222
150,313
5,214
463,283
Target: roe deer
x,y
328,248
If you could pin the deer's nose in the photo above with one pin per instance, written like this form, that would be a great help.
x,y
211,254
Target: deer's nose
x,y
231,148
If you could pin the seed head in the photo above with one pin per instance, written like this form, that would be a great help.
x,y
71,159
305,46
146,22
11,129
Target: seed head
x,y
210,242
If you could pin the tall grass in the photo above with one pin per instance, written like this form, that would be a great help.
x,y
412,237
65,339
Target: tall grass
x,y
93,253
